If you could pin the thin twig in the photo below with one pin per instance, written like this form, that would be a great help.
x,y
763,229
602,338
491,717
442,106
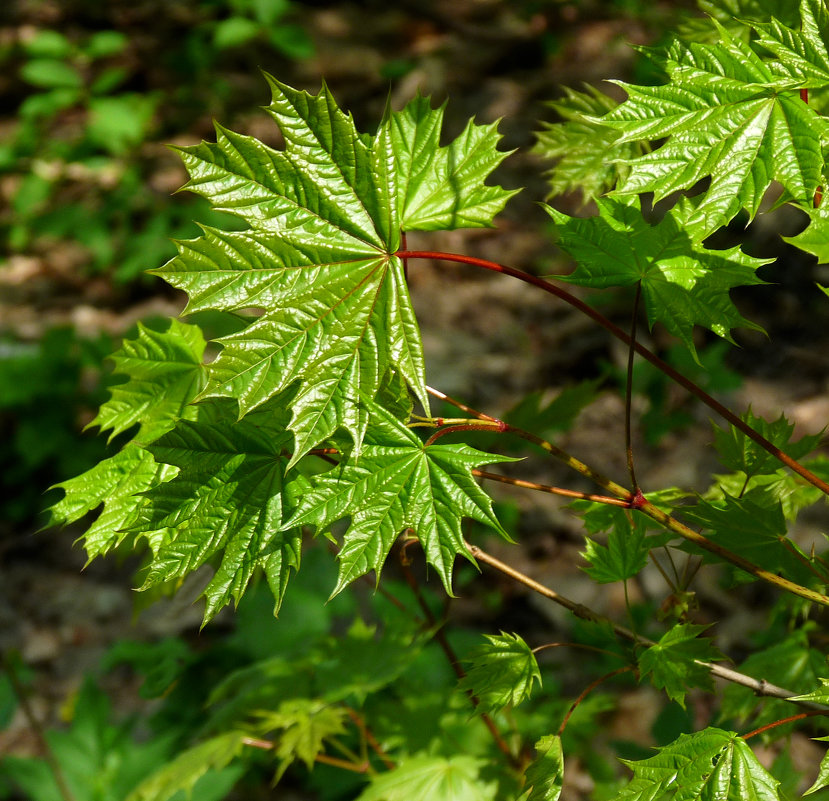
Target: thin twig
x,y
782,722
587,690
37,728
758,686
565,493
638,501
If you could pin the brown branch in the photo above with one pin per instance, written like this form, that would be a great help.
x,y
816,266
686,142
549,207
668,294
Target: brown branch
x,y
587,690
758,686
566,493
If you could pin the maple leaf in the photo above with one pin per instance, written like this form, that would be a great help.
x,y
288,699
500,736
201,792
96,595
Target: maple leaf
x,y
625,554
709,764
227,497
673,663
802,55
399,483
823,774
726,114
165,373
117,483
502,672
545,774
814,238
683,283
325,216
428,778
588,156
756,530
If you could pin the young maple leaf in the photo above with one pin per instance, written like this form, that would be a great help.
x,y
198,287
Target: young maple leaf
x,y
399,483
708,764
726,114
683,283
325,217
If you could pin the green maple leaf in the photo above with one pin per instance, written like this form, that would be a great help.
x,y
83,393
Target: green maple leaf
x,y
117,483
709,764
502,672
823,775
181,774
304,725
816,696
740,453
757,530
789,663
588,157
673,663
625,554
814,238
398,483
227,498
545,774
165,373
683,283
325,217
802,55
432,778
727,115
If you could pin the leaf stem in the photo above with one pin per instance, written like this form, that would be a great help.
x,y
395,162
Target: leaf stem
x,y
587,690
452,657
566,493
782,722
614,329
629,388
370,738
485,425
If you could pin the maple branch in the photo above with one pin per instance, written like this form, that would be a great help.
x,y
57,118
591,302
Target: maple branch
x,y
758,686
370,738
614,329
637,500
566,493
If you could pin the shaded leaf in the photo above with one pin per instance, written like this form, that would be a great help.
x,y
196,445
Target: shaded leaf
x,y
672,664
189,766
589,159
683,283
399,483
625,554
502,672
432,778
303,725
740,453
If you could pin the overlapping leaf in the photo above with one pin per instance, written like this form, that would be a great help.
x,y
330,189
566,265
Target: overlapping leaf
x,y
683,283
399,483
545,774
165,373
117,483
588,158
325,216
709,764
227,498
729,116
